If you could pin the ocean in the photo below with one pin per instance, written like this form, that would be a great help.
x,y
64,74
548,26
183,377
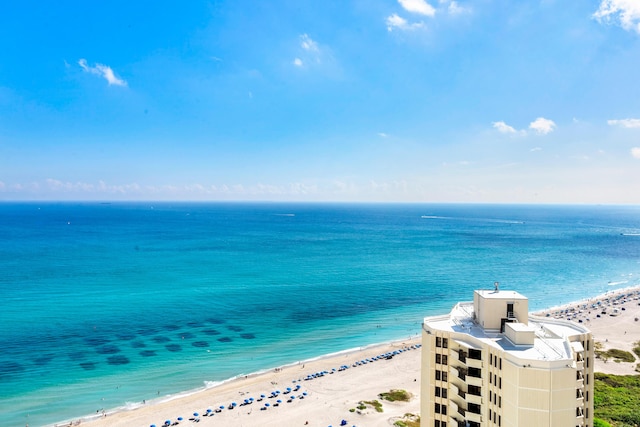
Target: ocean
x,y
104,305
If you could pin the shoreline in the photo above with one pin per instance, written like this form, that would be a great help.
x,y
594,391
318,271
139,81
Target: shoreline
x,y
334,399
269,379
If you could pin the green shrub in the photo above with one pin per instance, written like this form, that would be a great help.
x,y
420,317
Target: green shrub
x,y
636,349
409,420
375,404
597,422
617,399
617,355
396,395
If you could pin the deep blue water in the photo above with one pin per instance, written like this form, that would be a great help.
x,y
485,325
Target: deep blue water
x,y
105,305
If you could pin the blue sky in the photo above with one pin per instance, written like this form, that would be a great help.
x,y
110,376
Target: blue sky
x,y
532,101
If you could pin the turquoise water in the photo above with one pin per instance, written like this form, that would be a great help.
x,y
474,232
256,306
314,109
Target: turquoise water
x,y
104,305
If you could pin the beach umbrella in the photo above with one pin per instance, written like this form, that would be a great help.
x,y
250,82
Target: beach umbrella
x,y
152,425
221,406
266,404
179,418
279,401
288,388
167,423
304,393
195,414
234,404
209,411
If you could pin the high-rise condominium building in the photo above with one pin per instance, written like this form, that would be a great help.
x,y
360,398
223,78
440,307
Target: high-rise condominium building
x,y
489,363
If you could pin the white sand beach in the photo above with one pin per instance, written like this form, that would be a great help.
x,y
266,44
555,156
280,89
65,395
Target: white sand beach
x,y
330,398
614,320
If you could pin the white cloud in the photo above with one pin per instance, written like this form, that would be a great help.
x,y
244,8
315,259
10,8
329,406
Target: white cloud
x,y
625,13
502,127
635,152
397,22
382,135
542,126
625,123
418,6
308,44
310,52
102,71
455,9
534,149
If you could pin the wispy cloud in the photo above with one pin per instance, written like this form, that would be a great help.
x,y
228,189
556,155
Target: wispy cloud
x,y
635,152
420,7
310,53
625,13
455,9
502,127
103,71
625,123
395,22
542,126
307,44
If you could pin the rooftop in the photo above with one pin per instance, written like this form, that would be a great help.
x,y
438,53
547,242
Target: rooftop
x,y
550,344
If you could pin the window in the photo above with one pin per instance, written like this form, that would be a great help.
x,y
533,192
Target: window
x,y
437,392
490,359
443,409
500,382
444,376
444,393
444,359
445,342
475,354
437,408
438,342
475,372
436,423
500,363
438,358
499,401
438,375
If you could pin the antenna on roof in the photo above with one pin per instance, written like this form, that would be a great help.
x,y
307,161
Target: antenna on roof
x,y
496,286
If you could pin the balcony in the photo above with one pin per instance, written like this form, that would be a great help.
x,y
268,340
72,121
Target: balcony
x,y
474,381
474,363
471,398
470,416
453,407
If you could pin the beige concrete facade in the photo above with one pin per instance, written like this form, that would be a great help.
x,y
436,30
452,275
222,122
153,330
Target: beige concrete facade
x,y
489,363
